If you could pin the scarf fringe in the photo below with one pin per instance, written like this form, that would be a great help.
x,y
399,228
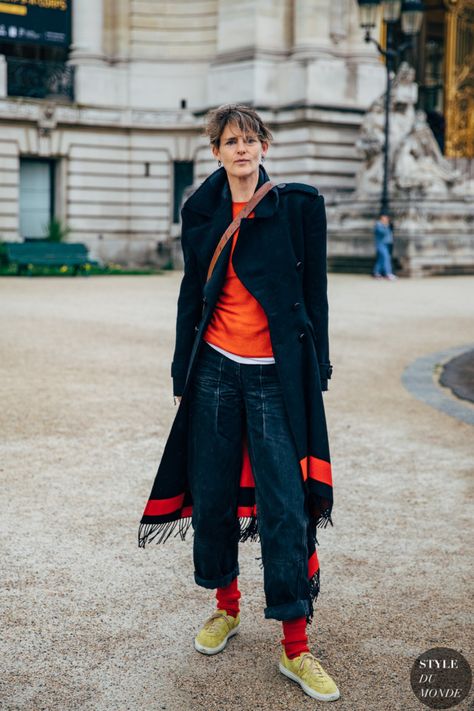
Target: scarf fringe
x,y
324,519
160,532
248,529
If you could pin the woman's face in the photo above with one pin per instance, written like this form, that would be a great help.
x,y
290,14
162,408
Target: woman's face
x,y
239,153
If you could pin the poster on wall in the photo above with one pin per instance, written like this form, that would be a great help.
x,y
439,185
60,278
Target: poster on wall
x,y
41,22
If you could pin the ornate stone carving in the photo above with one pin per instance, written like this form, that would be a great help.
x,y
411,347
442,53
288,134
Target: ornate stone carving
x,y
416,163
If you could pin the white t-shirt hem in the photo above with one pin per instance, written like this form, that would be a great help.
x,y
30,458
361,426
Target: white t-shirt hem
x,y
263,360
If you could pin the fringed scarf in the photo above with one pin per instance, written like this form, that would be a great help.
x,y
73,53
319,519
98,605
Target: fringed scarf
x,y
168,515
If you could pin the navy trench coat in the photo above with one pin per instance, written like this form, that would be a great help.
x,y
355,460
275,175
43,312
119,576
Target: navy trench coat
x,y
280,257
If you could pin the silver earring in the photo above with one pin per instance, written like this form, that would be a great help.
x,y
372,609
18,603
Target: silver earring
x,y
219,163
263,158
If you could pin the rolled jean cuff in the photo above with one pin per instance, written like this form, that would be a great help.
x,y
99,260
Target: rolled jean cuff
x,y
287,611
221,582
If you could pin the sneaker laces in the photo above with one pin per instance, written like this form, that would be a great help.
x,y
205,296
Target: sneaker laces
x,y
210,623
313,662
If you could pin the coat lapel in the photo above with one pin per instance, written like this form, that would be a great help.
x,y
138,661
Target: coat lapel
x,y
211,207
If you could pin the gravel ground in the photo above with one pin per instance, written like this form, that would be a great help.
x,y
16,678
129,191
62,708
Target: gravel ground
x,y
92,622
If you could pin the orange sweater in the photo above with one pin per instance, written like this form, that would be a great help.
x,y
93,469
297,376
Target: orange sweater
x,y
239,324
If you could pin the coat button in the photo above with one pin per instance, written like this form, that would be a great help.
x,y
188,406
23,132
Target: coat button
x,y
281,185
296,305
302,336
196,328
299,265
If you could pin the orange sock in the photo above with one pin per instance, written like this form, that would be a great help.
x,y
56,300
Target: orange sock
x,y
228,598
296,640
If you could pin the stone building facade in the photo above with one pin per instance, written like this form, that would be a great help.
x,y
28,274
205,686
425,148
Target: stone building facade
x,y
118,153
112,142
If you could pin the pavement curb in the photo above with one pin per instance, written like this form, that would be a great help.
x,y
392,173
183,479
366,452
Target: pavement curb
x,y
419,379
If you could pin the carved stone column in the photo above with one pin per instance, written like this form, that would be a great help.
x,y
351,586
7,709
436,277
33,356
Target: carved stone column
x,y
339,20
119,14
251,26
366,77
87,32
311,28
236,29
253,40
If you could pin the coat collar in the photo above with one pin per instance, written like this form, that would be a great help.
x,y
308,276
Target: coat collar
x,y
214,194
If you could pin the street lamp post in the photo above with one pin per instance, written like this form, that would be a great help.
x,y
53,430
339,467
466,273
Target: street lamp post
x,y
411,18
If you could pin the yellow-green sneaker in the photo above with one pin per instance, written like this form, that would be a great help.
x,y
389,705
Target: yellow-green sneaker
x,y
213,636
307,671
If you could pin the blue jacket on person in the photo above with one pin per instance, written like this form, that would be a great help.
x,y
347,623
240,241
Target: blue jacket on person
x,y
383,233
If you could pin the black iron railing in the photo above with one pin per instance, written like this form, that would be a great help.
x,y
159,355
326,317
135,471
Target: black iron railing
x,y
40,79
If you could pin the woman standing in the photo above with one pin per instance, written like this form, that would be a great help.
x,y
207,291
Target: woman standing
x,y
247,456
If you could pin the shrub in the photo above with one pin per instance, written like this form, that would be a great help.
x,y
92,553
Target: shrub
x,y
55,230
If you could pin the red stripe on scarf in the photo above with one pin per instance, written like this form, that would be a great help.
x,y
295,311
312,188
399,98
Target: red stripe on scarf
x,y
317,469
313,565
158,507
246,475
244,511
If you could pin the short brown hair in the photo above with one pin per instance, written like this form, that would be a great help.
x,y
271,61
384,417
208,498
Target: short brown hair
x,y
245,117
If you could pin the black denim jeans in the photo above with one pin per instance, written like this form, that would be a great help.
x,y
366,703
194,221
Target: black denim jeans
x,y
225,397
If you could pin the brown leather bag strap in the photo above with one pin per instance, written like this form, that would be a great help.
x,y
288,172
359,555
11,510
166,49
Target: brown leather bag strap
x,y
234,225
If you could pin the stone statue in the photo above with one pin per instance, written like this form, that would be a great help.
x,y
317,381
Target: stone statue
x,y
420,164
416,163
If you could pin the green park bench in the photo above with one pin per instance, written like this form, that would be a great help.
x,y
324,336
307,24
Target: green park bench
x,y
47,254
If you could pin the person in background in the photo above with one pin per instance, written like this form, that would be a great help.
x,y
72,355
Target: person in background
x,y
383,242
